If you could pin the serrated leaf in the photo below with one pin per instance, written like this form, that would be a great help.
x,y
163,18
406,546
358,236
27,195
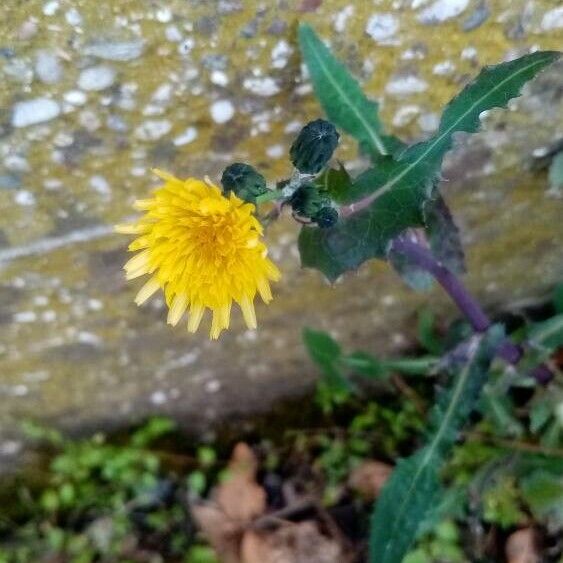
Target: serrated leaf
x,y
340,94
366,234
413,489
394,192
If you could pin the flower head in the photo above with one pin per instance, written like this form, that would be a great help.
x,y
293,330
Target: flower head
x,y
203,250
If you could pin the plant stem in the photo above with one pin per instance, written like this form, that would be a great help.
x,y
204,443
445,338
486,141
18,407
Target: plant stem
x,y
269,196
466,303
515,444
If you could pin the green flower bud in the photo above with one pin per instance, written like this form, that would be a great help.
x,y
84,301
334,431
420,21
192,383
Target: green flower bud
x,y
244,180
307,201
326,217
314,146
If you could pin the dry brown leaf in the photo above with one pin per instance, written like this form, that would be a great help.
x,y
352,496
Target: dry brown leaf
x,y
521,547
240,497
291,543
369,477
238,501
223,534
256,548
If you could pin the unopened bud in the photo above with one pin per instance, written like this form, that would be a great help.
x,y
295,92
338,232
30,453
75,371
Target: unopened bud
x,y
313,147
244,180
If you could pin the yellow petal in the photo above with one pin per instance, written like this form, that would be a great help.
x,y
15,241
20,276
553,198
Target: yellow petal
x,y
216,327
143,204
264,290
129,229
225,315
138,265
248,312
196,314
147,291
272,270
179,304
164,175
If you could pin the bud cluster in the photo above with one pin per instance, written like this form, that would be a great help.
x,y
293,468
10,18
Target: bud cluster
x,y
310,153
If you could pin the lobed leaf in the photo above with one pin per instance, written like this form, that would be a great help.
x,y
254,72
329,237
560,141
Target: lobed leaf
x,y
413,489
395,191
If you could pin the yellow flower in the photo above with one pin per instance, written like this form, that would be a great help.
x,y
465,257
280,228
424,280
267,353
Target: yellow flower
x,y
203,250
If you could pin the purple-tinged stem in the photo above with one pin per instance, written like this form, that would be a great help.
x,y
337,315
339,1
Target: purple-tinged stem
x,y
466,303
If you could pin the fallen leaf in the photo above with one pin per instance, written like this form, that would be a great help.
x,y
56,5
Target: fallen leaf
x,y
291,543
368,478
223,534
237,502
521,547
240,497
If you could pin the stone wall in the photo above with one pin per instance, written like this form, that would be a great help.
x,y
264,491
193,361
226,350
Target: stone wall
x,y
94,94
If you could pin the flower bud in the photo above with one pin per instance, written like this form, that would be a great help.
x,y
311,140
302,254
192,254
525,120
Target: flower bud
x,y
313,147
307,201
244,180
326,217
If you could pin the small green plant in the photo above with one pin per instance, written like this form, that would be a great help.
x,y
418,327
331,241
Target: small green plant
x,y
110,501
509,468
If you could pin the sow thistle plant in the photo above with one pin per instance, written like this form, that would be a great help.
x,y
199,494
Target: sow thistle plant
x,y
202,246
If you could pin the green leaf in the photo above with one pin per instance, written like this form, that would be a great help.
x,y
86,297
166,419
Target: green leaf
x,y
365,364
395,191
539,414
558,298
340,94
365,234
326,353
412,366
500,410
547,334
543,492
154,429
336,182
556,172
426,332
414,487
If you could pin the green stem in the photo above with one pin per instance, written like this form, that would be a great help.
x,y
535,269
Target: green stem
x,y
412,366
270,195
